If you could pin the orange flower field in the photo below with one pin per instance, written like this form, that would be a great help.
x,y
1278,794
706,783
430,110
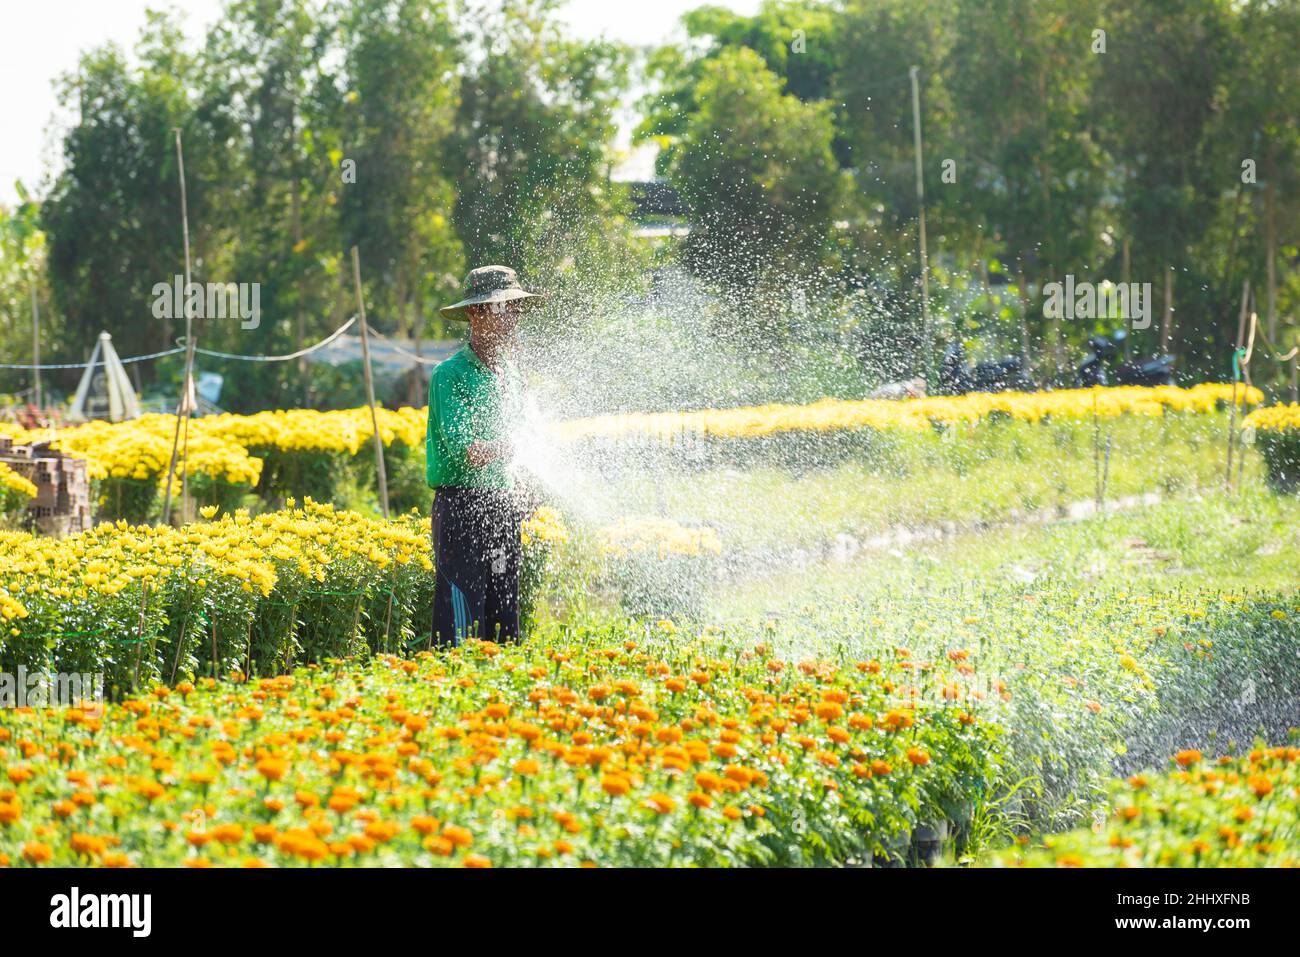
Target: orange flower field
x,y
541,754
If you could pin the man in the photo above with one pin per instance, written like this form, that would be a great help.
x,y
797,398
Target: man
x,y
474,407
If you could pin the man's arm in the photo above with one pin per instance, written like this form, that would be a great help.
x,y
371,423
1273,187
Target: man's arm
x,y
484,453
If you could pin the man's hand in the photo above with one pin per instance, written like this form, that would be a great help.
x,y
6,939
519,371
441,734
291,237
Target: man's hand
x,y
484,453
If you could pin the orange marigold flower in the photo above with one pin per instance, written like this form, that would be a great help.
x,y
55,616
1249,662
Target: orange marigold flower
x,y
273,769
615,785
707,781
36,852
661,803
439,845
459,836
828,710
1260,785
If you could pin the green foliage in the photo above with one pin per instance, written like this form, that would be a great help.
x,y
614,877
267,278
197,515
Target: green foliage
x,y
756,171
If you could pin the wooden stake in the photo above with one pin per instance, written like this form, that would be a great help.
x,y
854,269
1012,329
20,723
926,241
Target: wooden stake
x,y
1232,412
370,385
186,384
1096,452
920,202
1167,327
1270,231
36,348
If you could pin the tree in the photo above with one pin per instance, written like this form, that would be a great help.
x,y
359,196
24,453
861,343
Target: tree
x,y
22,270
113,215
279,199
530,156
1159,92
395,99
1256,155
795,38
756,171
1020,81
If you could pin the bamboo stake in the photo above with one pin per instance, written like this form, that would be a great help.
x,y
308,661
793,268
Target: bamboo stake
x,y
1167,327
370,385
920,202
1105,469
1232,412
186,383
36,349
1244,365
1096,452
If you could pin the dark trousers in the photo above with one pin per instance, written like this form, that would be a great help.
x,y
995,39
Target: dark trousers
x,y
476,553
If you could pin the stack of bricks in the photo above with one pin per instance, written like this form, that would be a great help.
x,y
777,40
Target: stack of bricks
x,y
62,503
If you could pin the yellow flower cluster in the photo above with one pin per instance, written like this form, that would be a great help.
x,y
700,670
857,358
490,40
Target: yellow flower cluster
x,y
12,480
1274,418
831,415
546,526
346,430
222,447
661,536
140,450
110,557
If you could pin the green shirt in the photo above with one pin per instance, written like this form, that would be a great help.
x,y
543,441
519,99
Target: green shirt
x,y
468,403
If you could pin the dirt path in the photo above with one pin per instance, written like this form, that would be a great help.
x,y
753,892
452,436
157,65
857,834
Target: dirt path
x,y
843,548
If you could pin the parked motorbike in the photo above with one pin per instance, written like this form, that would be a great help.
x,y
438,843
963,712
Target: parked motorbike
x,y
1007,374
1106,355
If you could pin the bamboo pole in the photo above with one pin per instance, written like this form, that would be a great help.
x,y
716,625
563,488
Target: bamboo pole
x,y
370,384
1232,411
182,410
1167,326
1270,227
920,202
36,348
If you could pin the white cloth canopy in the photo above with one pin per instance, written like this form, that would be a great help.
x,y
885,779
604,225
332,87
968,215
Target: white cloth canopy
x,y
113,386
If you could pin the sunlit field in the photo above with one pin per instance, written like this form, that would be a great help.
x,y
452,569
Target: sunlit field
x,y
946,645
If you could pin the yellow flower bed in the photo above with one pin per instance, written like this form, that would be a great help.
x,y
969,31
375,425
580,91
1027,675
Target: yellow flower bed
x,y
1274,418
252,551
660,536
908,414
219,445
346,430
141,449
546,526
1277,436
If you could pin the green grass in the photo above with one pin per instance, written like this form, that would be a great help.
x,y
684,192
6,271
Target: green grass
x,y
1117,638
994,472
